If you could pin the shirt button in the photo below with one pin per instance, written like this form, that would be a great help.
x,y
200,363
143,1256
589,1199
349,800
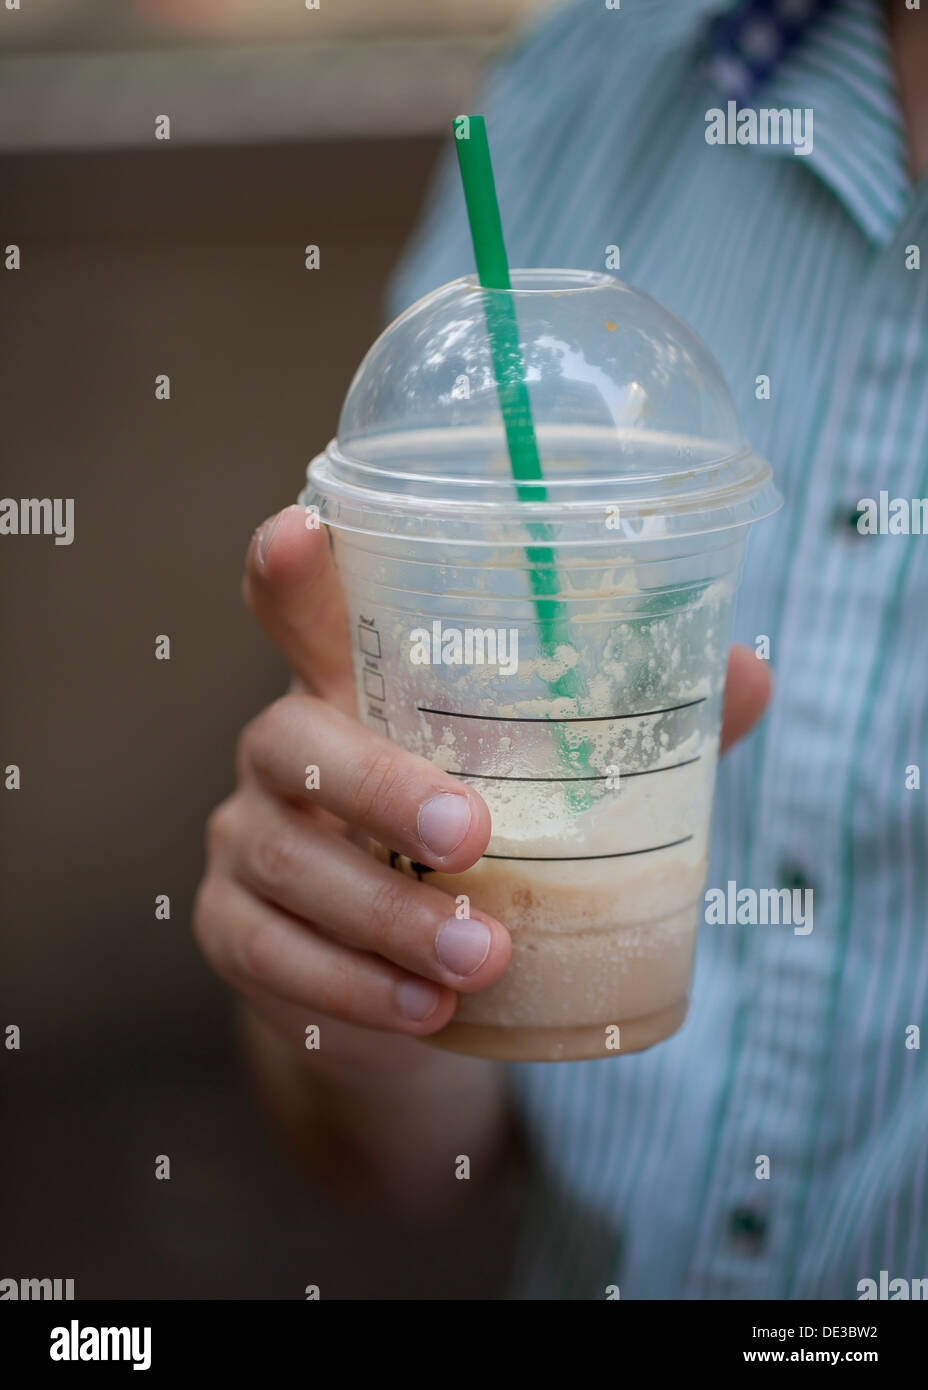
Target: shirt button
x,y
747,1229
793,876
845,520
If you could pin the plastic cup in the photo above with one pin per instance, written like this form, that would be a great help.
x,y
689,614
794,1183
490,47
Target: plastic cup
x,y
588,718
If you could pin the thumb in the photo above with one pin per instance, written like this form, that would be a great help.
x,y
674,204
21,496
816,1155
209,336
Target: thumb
x,y
292,588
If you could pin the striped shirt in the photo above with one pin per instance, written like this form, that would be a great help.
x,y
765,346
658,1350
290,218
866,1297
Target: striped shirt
x,y
798,268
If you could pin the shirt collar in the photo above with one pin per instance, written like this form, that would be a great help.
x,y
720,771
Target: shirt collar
x,y
834,58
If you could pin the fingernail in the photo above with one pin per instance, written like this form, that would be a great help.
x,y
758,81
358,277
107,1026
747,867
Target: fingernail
x,y
462,944
265,535
443,823
417,1000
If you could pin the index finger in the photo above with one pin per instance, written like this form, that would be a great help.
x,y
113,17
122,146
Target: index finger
x,y
399,798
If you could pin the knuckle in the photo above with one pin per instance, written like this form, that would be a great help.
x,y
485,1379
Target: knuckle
x,y
219,829
252,740
259,952
275,858
377,778
276,713
268,730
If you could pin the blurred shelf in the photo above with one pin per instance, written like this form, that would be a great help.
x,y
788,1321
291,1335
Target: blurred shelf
x,y
97,25
238,95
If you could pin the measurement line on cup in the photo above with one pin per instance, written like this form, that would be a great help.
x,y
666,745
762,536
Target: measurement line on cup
x,y
602,777
571,719
576,858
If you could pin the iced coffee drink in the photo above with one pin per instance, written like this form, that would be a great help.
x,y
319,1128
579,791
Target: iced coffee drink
x,y
597,860
561,645
602,948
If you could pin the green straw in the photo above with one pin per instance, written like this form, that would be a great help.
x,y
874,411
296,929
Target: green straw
x,y
493,273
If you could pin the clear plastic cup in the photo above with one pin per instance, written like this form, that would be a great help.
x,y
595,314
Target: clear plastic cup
x,y
562,646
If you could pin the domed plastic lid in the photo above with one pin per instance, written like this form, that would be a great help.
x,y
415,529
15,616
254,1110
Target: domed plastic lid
x,y
637,434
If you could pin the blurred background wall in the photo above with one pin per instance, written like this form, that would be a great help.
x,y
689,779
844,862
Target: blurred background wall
x,y
185,257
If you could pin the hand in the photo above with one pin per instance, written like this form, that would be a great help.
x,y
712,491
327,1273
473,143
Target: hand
x,y
293,912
